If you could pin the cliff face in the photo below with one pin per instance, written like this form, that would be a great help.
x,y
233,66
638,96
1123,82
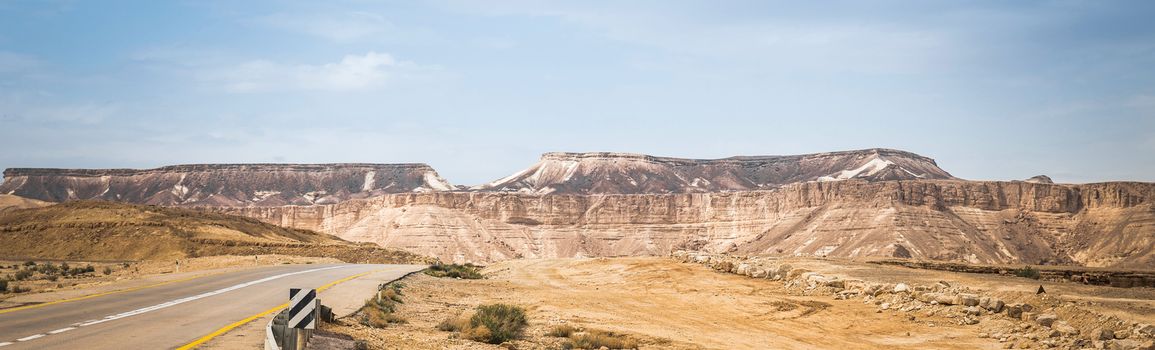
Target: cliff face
x,y
224,184
1110,224
621,173
874,202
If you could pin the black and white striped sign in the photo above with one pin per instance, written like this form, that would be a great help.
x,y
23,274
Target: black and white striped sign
x,y
301,308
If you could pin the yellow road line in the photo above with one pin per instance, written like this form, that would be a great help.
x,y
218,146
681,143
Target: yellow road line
x,y
252,318
90,296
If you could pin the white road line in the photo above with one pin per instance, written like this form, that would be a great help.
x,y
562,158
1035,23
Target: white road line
x,y
170,303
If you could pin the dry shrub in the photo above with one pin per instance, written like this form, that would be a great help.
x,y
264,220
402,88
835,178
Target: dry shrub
x,y
494,324
378,311
595,339
467,271
454,324
561,331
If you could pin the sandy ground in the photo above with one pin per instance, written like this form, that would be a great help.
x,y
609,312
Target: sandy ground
x,y
132,275
661,303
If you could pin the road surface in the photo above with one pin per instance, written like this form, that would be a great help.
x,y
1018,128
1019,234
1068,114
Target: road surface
x,y
172,315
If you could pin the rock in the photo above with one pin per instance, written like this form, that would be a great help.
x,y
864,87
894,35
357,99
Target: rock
x,y
1065,328
1015,311
1028,316
944,299
1147,330
1046,320
884,306
968,300
995,305
1027,307
1102,334
742,269
901,288
973,311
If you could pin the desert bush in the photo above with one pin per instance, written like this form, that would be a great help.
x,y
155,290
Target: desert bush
x,y
454,324
502,323
597,339
391,294
3,286
22,275
378,311
89,269
18,289
51,278
561,331
29,263
1027,272
107,271
467,271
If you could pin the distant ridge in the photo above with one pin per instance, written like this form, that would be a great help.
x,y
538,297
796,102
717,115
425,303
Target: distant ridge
x,y
625,173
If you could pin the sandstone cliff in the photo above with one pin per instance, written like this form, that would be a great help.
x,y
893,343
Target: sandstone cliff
x,y
613,173
224,184
1109,224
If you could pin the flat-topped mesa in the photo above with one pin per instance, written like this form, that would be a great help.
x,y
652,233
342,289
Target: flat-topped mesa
x,y
224,184
625,173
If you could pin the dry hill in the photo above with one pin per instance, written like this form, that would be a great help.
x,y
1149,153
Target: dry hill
x,y
96,230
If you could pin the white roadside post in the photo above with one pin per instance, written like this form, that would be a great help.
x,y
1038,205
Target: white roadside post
x,y
302,315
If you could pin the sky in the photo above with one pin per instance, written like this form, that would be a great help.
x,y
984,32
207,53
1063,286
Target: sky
x,y
993,90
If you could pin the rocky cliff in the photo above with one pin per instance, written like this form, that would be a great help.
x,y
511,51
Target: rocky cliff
x,y
1109,224
622,173
224,184
877,202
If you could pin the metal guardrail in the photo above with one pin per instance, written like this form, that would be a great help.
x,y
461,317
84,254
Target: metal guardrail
x,y
278,335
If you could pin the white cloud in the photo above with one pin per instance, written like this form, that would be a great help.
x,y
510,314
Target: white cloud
x,y
353,72
338,27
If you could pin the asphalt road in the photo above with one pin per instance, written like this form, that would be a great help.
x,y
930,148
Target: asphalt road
x,y
171,315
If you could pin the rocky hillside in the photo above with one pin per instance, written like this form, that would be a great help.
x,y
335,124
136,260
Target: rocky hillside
x,y
621,173
876,203
224,184
1111,224
96,230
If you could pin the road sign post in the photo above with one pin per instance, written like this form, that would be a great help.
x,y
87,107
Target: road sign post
x,y
302,317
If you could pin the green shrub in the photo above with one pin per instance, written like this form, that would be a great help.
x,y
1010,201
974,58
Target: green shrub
x,y
1027,272
467,271
89,269
599,339
22,275
501,323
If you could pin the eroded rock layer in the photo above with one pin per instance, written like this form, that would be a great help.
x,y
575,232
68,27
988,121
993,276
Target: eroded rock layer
x,y
1108,224
224,184
622,173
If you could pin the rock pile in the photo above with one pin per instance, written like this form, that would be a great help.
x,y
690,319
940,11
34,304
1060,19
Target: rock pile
x,y
1045,322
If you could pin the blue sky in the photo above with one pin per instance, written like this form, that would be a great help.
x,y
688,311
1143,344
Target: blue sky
x,y
479,89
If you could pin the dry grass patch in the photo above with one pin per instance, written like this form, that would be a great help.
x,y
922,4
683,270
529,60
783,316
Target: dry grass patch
x,y
378,311
597,339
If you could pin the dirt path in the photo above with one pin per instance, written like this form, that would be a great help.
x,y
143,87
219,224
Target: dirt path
x,y
665,305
